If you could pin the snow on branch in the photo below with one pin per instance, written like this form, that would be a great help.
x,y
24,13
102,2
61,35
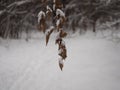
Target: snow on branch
x,y
48,12
48,8
2,11
40,15
18,3
60,12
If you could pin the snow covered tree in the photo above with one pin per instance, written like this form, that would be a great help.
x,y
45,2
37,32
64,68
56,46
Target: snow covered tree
x,y
16,16
55,12
88,13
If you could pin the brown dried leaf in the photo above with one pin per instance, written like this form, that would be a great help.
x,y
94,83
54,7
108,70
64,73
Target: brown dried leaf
x,y
58,41
42,24
61,64
64,53
49,14
48,36
63,34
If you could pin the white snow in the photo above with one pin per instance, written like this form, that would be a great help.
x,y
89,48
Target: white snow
x,y
23,2
58,35
92,64
60,12
53,6
52,27
19,3
49,30
59,51
40,15
48,8
63,43
61,61
58,22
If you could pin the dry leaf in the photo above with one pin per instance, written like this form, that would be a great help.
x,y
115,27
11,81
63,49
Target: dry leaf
x,y
48,36
61,64
63,34
63,53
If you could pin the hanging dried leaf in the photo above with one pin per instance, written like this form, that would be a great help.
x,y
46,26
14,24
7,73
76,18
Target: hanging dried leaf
x,y
61,64
63,53
42,21
48,35
60,20
58,40
47,38
43,27
49,13
63,34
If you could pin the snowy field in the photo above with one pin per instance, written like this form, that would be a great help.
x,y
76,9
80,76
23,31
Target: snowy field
x,y
93,63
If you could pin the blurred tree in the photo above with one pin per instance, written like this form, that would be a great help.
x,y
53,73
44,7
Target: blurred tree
x,y
14,14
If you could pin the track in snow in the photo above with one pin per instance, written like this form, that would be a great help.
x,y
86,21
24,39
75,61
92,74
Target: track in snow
x,y
92,64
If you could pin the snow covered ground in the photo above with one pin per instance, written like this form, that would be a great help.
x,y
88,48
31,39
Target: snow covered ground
x,y
93,64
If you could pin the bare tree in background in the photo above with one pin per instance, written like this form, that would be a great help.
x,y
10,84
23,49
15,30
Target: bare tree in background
x,y
17,16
